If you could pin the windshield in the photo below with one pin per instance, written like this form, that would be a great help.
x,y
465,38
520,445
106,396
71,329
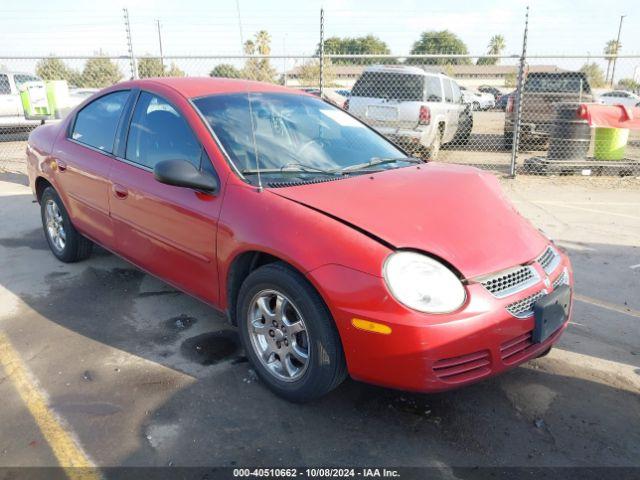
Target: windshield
x,y
294,135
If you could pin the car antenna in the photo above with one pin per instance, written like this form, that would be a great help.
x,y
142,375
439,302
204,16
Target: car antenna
x,y
255,144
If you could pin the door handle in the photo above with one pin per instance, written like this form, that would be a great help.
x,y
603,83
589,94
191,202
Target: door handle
x,y
119,191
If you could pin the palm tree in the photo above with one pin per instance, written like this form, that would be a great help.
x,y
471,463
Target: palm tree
x,y
263,42
496,45
611,48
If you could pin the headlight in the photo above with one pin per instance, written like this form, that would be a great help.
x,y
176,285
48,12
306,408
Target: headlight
x,y
422,283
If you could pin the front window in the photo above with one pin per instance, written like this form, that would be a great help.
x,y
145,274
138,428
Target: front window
x,y
293,138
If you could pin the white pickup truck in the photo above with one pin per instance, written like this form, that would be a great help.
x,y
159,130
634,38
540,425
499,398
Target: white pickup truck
x,y
11,110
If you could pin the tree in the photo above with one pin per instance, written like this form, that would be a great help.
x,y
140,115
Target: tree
x,y
309,73
495,47
53,68
628,84
225,70
368,45
611,48
175,71
594,74
150,67
442,42
100,72
258,68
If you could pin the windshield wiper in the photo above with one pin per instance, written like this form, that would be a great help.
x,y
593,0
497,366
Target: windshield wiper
x,y
284,170
375,161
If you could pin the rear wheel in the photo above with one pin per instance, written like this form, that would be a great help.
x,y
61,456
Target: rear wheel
x,y
288,334
65,242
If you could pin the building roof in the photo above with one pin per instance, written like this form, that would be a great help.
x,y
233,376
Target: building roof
x,y
347,71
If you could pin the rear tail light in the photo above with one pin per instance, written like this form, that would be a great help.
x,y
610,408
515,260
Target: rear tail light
x,y
346,105
510,104
424,117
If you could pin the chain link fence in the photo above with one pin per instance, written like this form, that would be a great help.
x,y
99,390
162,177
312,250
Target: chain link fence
x,y
449,108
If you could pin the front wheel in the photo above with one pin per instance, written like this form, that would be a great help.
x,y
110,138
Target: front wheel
x,y
288,334
65,242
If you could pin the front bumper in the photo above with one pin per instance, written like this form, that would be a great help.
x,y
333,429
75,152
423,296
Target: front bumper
x,y
429,353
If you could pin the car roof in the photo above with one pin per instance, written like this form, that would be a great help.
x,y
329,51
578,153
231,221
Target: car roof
x,y
192,87
404,69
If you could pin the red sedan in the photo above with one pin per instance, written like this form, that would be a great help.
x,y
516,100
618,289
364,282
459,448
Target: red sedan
x,y
330,249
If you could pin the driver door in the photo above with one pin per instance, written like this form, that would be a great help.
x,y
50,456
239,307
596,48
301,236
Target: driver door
x,y
168,231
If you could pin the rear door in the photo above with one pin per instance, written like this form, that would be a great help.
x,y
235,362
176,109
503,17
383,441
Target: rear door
x,y
10,104
388,99
166,230
453,106
84,158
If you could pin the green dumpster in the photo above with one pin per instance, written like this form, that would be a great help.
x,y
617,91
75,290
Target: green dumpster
x,y
610,143
34,100
57,97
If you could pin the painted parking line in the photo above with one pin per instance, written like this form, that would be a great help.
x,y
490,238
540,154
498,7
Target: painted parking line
x,y
67,450
633,267
607,305
590,210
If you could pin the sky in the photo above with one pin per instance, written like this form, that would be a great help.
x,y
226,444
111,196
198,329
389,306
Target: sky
x,y
212,27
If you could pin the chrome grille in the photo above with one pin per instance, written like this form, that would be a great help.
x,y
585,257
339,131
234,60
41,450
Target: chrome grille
x,y
549,259
510,281
563,279
524,308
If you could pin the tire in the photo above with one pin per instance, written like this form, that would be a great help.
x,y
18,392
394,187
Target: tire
x,y
434,149
271,347
57,226
507,141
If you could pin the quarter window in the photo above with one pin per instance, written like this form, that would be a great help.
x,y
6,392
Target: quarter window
x,y
434,89
97,122
158,132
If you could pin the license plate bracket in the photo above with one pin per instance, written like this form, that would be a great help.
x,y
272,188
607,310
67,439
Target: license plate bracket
x,y
550,312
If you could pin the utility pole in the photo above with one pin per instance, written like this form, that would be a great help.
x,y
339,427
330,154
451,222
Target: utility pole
x,y
160,43
613,69
132,59
240,27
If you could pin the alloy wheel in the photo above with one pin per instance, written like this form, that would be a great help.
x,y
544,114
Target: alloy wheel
x,y
55,225
278,335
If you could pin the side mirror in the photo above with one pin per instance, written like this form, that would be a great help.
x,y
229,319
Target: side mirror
x,y
181,173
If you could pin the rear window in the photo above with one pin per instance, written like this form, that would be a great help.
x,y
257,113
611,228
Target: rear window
x,y
396,86
570,82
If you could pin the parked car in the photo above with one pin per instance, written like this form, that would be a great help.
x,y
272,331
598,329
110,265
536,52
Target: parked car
x,y
503,101
328,248
539,94
477,100
490,90
619,97
417,109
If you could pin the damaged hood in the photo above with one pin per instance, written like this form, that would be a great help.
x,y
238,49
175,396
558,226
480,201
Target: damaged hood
x,y
453,212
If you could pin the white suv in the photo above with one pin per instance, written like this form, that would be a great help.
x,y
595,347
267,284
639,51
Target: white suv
x,y
418,109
